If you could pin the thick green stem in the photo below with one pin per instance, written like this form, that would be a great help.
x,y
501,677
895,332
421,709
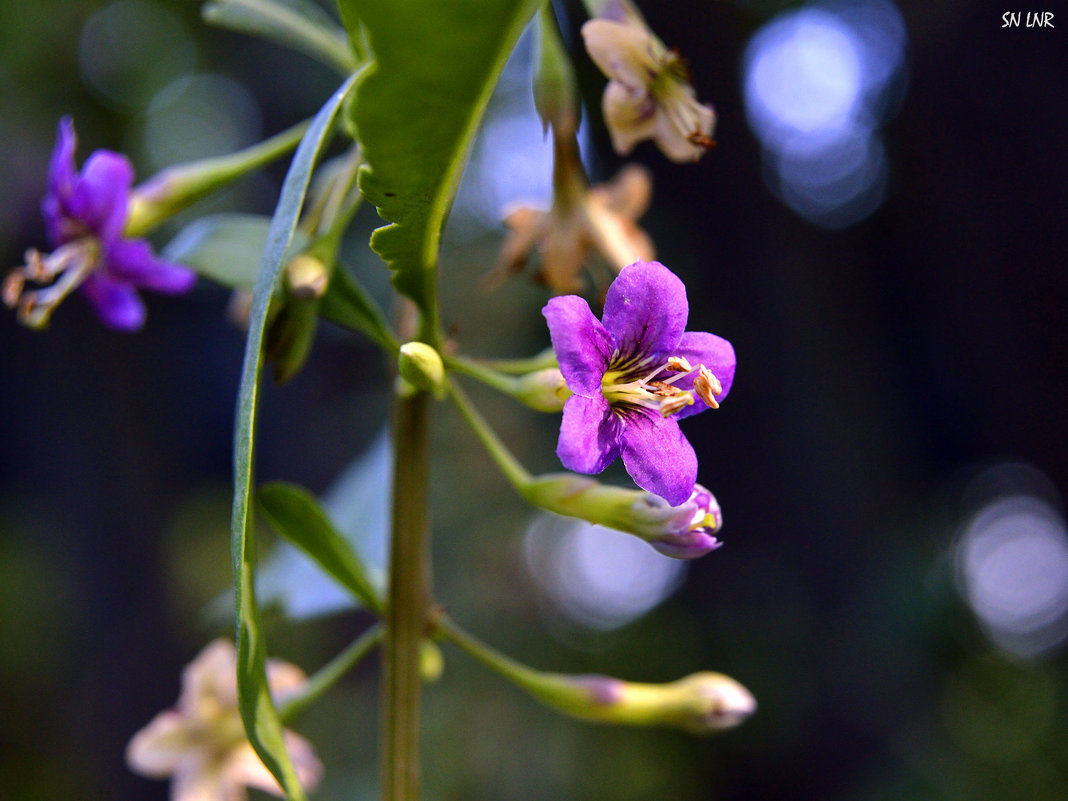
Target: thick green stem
x,y
409,599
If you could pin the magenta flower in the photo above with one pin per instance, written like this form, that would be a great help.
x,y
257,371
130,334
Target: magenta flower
x,y
85,216
633,375
692,532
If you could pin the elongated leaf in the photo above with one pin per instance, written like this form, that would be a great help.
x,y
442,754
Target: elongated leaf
x,y
299,24
416,113
257,710
295,514
357,502
346,303
225,247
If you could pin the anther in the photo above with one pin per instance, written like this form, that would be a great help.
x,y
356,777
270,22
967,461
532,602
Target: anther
x,y
701,140
675,403
13,286
678,364
706,385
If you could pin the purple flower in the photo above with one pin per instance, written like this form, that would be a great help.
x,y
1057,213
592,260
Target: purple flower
x,y
85,216
633,375
692,532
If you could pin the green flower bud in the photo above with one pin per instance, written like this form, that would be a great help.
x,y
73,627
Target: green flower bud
x,y
543,390
431,661
683,532
307,277
555,92
421,366
177,187
702,703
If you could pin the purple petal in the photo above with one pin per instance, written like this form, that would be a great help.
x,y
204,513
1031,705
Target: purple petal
x,y
689,545
589,435
715,353
116,303
132,260
61,169
646,309
100,194
582,345
659,457
61,177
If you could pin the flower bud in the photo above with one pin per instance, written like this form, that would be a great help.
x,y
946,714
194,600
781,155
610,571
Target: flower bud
x,y
686,531
555,92
431,661
421,366
702,703
543,390
307,277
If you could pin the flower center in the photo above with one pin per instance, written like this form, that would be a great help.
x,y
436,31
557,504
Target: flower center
x,y
630,386
675,97
58,274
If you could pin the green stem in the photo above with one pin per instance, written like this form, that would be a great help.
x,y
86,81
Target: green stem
x,y
480,372
516,474
540,361
594,7
557,690
490,657
409,599
328,675
175,188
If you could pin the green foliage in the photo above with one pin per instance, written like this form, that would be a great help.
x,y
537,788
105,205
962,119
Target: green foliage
x,y
297,516
416,111
347,303
257,710
226,247
299,24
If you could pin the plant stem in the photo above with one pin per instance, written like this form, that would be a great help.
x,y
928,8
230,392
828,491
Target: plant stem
x,y
409,599
547,358
328,674
177,187
516,474
487,375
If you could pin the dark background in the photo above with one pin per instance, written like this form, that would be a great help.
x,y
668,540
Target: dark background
x,y
881,368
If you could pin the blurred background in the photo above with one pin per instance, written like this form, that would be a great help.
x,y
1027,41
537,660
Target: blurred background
x,y
879,231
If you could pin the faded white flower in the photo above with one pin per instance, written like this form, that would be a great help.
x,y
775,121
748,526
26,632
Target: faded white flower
x,y
201,743
582,220
649,95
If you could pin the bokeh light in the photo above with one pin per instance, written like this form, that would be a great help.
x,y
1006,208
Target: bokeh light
x,y
197,116
130,49
1012,561
818,84
595,577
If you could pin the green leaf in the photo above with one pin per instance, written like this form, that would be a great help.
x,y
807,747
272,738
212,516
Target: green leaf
x,y
226,247
298,24
348,304
296,515
257,710
416,112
